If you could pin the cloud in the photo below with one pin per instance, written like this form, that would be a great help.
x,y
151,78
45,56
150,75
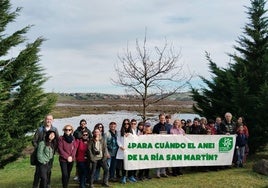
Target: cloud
x,y
85,37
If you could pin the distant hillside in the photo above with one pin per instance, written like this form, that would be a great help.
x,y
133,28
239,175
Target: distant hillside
x,y
100,96
74,104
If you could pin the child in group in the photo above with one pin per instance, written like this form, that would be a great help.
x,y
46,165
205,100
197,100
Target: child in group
x,y
241,141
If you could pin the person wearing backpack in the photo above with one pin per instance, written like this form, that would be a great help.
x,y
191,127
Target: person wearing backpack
x,y
39,136
45,152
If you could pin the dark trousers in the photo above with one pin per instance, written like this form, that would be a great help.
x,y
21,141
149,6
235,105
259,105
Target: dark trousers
x,y
83,172
131,173
37,174
66,168
44,169
103,164
112,167
120,166
143,173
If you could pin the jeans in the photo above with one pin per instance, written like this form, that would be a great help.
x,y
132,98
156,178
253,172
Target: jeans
x,y
240,152
83,172
112,167
66,168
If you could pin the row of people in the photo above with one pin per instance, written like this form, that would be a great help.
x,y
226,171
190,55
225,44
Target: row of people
x,y
92,150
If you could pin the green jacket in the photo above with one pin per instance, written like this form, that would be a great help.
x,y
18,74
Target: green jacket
x,y
44,153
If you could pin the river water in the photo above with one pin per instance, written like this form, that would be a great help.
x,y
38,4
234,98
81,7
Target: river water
x,y
105,119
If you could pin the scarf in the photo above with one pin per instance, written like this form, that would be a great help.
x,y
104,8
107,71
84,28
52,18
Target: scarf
x,y
68,138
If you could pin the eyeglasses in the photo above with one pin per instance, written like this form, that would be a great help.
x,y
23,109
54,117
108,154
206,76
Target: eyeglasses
x,y
85,134
68,129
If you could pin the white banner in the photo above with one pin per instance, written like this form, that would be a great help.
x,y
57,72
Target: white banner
x,y
156,151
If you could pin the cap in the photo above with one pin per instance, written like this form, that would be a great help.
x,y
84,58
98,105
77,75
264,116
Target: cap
x,y
148,124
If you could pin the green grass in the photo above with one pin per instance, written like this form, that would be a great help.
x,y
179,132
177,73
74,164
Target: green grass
x,y
19,174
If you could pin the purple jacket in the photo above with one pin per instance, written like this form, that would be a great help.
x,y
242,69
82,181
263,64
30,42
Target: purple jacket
x,y
66,149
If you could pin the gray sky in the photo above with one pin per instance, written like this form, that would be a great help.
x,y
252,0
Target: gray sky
x,y
85,37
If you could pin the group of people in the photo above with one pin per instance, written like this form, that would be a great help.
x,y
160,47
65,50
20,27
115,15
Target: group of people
x,y
91,150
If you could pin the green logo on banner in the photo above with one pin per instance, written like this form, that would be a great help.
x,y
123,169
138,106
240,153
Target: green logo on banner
x,y
226,144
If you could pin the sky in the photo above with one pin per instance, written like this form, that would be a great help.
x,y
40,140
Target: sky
x,y
84,37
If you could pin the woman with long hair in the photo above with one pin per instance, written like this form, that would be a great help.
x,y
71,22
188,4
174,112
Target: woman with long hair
x,y
124,131
45,153
98,157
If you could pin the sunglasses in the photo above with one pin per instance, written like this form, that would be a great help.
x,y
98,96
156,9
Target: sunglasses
x,y
85,134
100,126
68,129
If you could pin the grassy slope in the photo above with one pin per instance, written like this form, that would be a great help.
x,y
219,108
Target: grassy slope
x,y
20,175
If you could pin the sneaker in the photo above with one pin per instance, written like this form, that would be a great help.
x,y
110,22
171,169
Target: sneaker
x,y
124,180
76,178
132,179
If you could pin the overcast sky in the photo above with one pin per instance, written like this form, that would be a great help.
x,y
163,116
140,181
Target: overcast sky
x,y
85,37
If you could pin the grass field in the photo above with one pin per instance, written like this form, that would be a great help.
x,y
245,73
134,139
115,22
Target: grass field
x,y
20,175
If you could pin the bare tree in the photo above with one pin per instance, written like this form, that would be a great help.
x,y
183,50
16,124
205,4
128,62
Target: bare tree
x,y
152,76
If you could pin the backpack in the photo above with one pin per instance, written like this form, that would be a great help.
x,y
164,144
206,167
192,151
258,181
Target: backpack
x,y
33,156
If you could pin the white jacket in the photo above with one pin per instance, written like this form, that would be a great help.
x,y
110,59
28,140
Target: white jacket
x,y
120,141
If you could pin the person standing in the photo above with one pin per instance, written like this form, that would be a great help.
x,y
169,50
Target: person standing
x,y
67,151
40,136
228,125
132,173
241,141
168,123
97,171
124,132
82,160
111,140
161,128
98,157
241,121
178,130
45,152
143,174
78,134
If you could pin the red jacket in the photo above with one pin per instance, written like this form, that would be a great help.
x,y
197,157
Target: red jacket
x,y
81,151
